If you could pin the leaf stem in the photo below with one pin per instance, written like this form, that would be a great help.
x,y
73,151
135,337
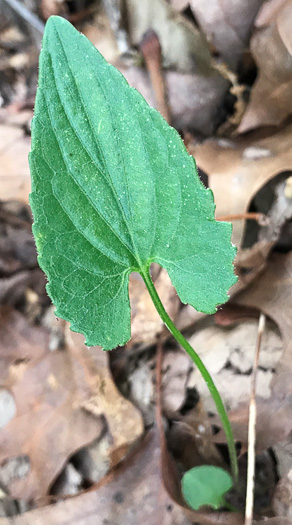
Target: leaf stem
x,y
197,360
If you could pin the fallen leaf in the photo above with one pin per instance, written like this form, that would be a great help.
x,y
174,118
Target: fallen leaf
x,y
192,97
67,395
50,424
17,247
124,421
180,5
271,294
52,8
192,444
194,87
231,314
238,168
100,33
19,341
176,369
14,170
13,288
269,430
282,499
277,204
269,12
132,494
270,101
274,521
184,47
228,354
227,25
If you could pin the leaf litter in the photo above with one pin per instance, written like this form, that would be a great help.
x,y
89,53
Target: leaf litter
x,y
243,166
270,103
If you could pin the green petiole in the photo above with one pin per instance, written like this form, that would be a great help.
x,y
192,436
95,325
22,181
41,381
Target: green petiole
x,y
198,362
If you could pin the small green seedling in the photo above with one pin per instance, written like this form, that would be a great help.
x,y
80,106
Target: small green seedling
x,y
200,486
114,190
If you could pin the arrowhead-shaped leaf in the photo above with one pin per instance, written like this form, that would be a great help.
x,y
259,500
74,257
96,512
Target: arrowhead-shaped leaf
x,y
113,190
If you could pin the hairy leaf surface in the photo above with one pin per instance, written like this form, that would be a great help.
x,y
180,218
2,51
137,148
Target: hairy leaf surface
x,y
114,189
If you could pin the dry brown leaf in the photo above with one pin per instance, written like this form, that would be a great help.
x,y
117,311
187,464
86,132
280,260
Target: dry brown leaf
x,y
274,521
50,423
192,444
230,314
237,169
282,498
180,5
271,46
227,25
12,289
195,88
100,33
184,47
270,430
193,98
52,8
132,494
14,169
17,247
228,355
124,421
271,294
269,12
19,341
61,401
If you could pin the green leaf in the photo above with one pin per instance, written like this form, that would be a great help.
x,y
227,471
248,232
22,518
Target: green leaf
x,y
206,485
113,190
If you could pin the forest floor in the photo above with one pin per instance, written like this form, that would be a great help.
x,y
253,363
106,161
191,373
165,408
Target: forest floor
x,y
85,433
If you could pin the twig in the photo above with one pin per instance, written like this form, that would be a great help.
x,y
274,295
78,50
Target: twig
x,y
151,51
159,360
259,217
252,428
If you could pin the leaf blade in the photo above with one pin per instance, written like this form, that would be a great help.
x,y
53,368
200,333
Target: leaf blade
x,y
114,189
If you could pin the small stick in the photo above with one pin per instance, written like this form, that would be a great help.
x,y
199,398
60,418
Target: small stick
x,y
151,51
260,217
159,360
252,428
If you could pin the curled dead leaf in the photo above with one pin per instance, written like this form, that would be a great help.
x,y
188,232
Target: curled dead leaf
x,y
62,400
131,494
184,47
270,101
271,294
238,168
227,24
124,421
